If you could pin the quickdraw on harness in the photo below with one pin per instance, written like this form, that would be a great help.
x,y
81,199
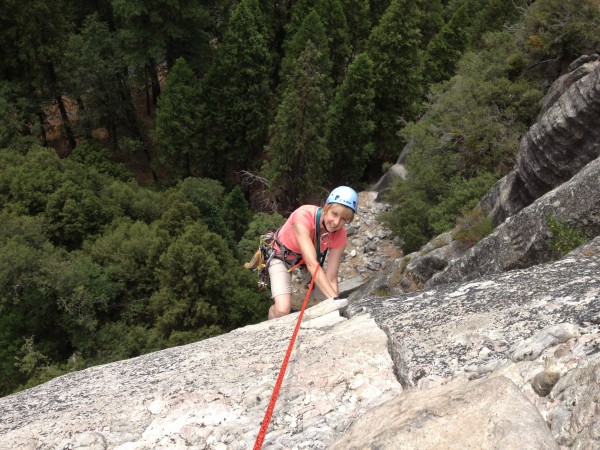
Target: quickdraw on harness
x,y
267,252
290,258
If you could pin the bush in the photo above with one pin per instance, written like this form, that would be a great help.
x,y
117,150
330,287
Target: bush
x,y
462,197
472,227
564,237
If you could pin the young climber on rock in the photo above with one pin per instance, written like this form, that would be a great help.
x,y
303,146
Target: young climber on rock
x,y
309,235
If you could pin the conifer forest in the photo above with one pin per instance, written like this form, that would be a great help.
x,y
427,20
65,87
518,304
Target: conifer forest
x,y
145,145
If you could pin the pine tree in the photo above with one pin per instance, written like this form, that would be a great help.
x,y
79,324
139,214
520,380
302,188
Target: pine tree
x,y
299,159
236,213
236,93
153,30
332,15
94,72
177,124
334,33
312,29
350,125
358,18
445,49
394,48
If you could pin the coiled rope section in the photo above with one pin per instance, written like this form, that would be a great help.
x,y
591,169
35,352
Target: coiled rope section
x,y
267,419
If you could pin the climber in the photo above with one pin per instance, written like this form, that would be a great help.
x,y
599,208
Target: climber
x,y
309,235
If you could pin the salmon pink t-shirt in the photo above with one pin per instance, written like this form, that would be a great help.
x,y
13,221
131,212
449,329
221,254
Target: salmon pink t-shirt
x,y
306,216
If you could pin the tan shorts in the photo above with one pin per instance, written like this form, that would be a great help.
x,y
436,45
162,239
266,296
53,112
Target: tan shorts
x,y
279,278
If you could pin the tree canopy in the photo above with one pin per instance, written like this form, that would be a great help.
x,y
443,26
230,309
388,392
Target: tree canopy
x,y
136,135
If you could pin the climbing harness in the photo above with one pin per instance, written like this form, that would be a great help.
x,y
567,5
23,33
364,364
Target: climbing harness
x,y
267,253
291,259
267,419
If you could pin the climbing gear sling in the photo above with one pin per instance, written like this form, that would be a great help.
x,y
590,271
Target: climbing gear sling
x,y
268,252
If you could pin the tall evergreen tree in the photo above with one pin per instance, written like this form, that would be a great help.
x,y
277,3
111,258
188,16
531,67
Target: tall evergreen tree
x,y
276,15
94,71
445,49
236,93
350,125
394,48
330,14
312,29
32,38
178,124
156,30
236,213
299,159
358,18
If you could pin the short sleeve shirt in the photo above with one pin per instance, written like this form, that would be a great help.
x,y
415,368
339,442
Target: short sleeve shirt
x,y
306,216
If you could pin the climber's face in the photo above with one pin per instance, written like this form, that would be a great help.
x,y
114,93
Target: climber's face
x,y
336,216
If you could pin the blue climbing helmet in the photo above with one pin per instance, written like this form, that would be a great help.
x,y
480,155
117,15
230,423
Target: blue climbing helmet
x,y
344,195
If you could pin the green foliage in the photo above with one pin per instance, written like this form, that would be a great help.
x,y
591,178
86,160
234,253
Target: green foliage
x,y
394,48
84,290
486,16
260,224
208,196
462,196
236,213
237,95
93,69
466,140
200,283
446,47
74,212
92,154
178,123
120,340
30,359
96,269
358,18
153,29
18,122
350,124
130,251
299,158
311,30
131,200
472,227
564,237
409,219
334,20
557,29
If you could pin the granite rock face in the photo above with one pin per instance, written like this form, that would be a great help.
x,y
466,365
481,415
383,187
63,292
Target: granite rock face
x,y
450,367
523,240
213,394
516,324
564,139
453,417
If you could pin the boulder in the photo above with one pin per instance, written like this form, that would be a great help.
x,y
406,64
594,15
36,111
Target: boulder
x,y
489,414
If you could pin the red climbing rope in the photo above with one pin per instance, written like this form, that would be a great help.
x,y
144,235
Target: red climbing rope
x,y
267,419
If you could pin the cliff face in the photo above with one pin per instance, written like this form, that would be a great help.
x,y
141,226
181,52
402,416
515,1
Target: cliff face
x,y
508,361
565,138
501,349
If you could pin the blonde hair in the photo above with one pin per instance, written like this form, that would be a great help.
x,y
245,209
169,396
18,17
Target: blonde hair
x,y
346,212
